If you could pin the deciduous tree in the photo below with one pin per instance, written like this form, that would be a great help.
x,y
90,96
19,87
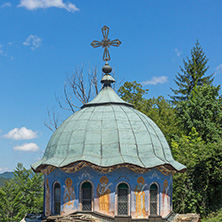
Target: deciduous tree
x,y
79,88
199,189
203,110
133,92
165,116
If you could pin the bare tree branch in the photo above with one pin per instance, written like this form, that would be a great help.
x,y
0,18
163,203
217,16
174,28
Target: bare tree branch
x,y
53,120
78,90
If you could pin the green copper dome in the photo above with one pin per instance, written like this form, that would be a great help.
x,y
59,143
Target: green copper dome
x,y
106,132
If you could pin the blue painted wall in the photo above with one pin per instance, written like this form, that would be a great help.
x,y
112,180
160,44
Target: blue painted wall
x,y
105,191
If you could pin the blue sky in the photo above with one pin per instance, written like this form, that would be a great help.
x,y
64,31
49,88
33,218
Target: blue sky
x,y
41,41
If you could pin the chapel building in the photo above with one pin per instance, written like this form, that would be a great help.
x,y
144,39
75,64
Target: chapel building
x,y
109,159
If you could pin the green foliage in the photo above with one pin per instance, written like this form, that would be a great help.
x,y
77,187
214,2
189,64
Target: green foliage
x,y
192,75
199,189
199,108
163,114
193,128
213,217
158,109
203,110
132,92
21,194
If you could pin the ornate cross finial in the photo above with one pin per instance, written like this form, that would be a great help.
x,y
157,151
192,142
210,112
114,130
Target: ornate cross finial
x,y
105,43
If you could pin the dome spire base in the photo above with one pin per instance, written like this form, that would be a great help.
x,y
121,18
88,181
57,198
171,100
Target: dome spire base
x,y
107,68
107,79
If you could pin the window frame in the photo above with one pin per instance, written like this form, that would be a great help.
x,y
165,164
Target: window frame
x,y
53,197
81,193
157,201
128,199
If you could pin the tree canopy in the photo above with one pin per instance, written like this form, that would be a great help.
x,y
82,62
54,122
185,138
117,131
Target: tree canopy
x,y
199,189
132,92
203,110
193,130
21,194
192,75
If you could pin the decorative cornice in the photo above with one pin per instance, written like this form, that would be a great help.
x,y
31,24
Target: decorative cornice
x,y
72,168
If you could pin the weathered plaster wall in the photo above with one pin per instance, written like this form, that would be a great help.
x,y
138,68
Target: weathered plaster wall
x,y
105,191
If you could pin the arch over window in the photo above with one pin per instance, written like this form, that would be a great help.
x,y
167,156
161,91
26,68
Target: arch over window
x,y
153,199
86,189
57,198
122,204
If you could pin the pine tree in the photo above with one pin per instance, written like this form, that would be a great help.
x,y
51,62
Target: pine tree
x,y
192,74
22,194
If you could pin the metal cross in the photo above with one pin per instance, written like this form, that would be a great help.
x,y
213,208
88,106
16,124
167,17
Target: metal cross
x,y
105,43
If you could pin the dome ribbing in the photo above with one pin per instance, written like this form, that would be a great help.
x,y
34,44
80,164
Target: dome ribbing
x,y
106,132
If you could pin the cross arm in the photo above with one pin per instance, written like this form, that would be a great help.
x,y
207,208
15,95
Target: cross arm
x,y
96,44
115,42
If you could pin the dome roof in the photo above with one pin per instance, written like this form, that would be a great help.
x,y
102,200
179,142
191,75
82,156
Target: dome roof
x,y
108,131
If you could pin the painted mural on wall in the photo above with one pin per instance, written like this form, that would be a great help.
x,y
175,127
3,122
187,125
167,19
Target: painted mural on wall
x,y
47,199
105,188
141,197
68,196
104,192
165,198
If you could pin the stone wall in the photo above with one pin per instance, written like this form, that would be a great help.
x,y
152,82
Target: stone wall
x,y
187,218
95,218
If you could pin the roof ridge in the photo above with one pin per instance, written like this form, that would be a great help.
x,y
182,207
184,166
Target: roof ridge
x,y
107,96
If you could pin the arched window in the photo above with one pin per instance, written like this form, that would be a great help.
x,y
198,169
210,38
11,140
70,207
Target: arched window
x,y
86,196
57,198
122,199
153,199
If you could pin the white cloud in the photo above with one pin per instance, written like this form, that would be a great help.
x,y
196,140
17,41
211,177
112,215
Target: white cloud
x,y
36,4
27,147
155,80
219,68
33,41
178,52
7,4
3,169
21,134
